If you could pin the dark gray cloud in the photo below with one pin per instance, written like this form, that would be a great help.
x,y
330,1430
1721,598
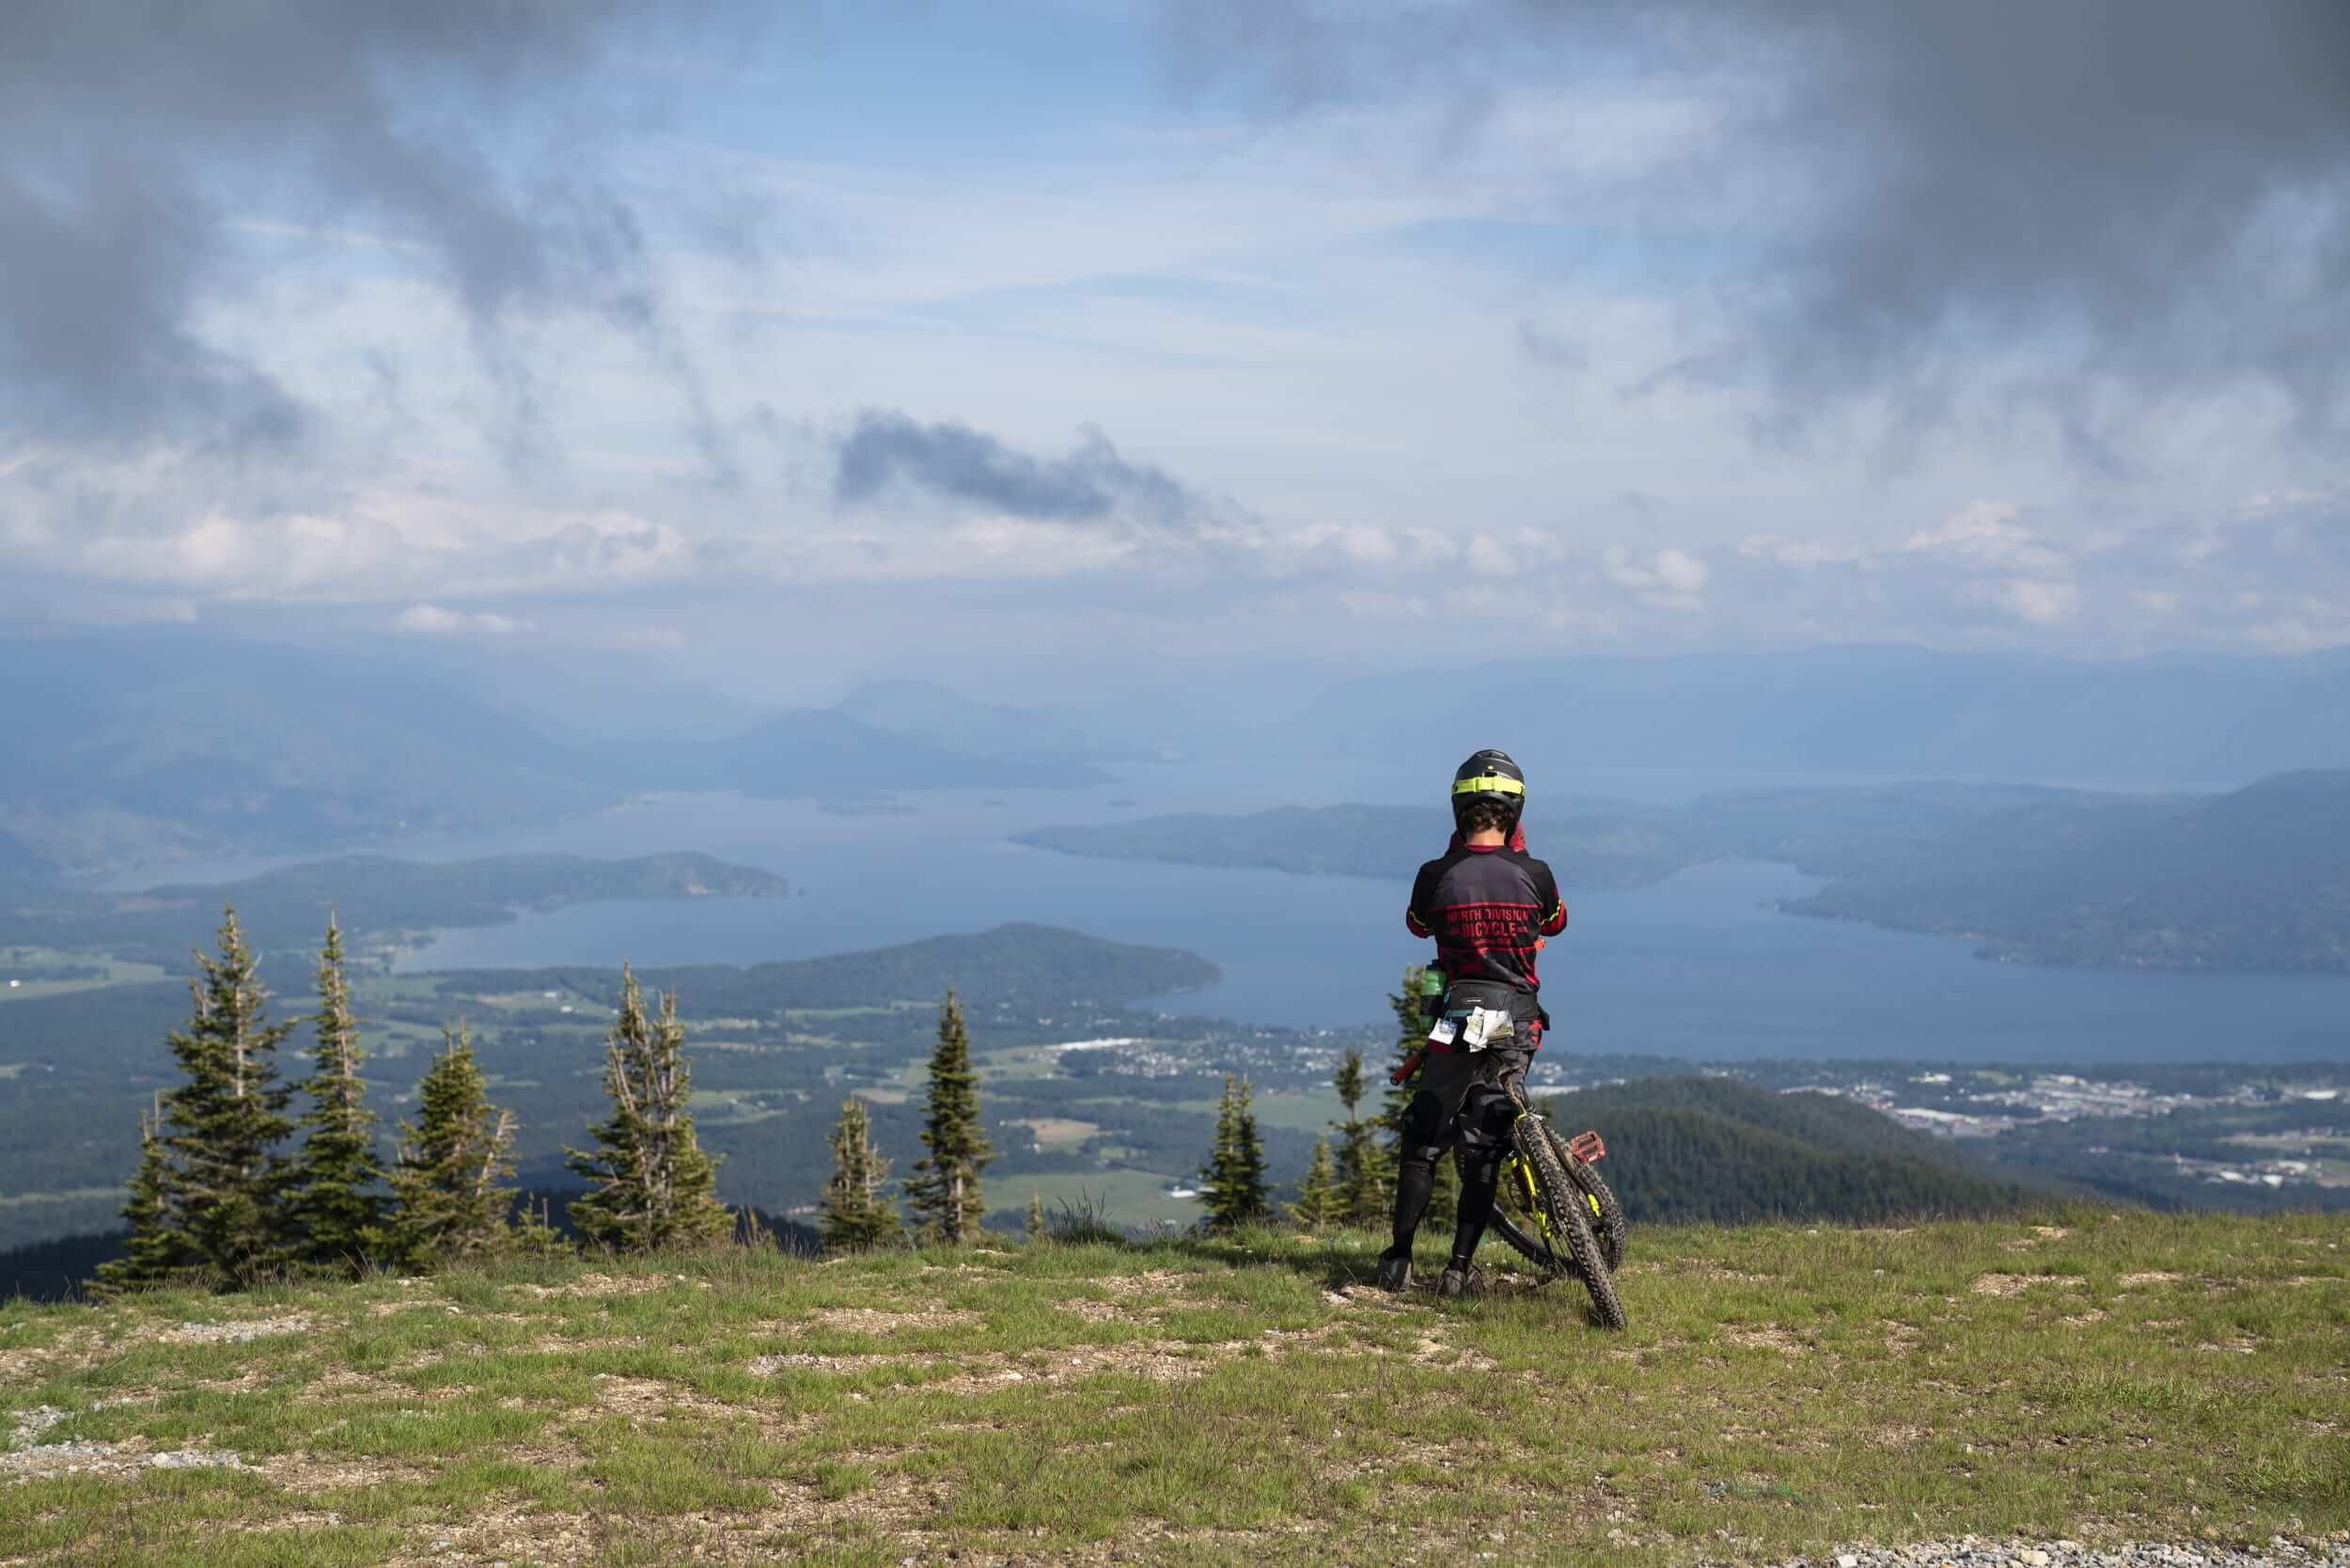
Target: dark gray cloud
x,y
1092,484
2149,197
134,134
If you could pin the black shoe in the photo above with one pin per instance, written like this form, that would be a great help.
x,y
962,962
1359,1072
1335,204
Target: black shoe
x,y
1459,1280
1394,1272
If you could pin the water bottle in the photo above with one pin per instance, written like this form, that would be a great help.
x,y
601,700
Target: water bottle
x,y
1432,988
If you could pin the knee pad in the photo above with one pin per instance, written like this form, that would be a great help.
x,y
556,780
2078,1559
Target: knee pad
x,y
1422,1132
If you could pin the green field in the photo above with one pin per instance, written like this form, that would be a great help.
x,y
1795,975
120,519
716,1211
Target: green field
x,y
1782,1391
1124,1198
21,970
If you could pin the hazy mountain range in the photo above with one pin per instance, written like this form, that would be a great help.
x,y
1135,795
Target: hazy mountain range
x,y
138,745
2255,879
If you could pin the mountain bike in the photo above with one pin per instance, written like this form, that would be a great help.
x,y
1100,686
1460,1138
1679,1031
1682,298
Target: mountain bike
x,y
1572,1224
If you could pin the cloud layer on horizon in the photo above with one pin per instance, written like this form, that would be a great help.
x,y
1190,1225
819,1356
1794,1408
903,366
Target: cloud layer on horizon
x,y
1652,326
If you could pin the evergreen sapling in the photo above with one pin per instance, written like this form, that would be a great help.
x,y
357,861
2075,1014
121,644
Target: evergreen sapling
x,y
857,1213
449,1204
653,1185
1364,1175
156,1249
1411,1034
337,1205
1318,1206
1233,1184
209,1188
945,1194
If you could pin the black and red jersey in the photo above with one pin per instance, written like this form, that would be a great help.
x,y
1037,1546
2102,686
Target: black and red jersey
x,y
1488,910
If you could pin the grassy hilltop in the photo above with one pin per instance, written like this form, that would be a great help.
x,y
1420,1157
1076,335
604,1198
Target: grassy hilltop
x,y
1782,1388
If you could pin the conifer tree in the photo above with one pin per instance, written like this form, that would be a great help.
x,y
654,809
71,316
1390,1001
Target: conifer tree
x,y
210,1183
1411,1034
943,1194
1233,1186
449,1202
1318,1206
156,1249
857,1213
337,1204
1364,1176
531,1233
1033,1225
653,1185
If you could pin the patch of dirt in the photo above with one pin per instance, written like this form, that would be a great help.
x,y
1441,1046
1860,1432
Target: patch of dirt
x,y
2150,1277
237,1331
1900,1338
1155,1282
602,1341
344,1383
2014,1284
1434,1353
1160,1360
2082,1320
1368,1297
611,1284
504,1534
643,1399
309,1473
875,1320
1086,1309
1765,1335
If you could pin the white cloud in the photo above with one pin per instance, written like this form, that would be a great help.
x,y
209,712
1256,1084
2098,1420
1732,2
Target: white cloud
x,y
2040,600
1985,533
1488,558
1802,553
431,620
1673,579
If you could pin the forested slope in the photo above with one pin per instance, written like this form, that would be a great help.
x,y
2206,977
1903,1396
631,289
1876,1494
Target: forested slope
x,y
1710,1149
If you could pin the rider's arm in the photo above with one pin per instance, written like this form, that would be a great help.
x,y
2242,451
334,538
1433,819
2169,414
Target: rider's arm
x,y
1423,889
1554,907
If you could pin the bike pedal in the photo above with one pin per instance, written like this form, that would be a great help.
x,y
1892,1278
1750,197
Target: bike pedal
x,y
1587,1148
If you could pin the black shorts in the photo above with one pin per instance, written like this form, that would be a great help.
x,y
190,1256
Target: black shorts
x,y
1461,1100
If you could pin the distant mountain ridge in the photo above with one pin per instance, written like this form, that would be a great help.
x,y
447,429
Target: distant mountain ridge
x,y
140,748
1014,963
1718,1152
373,896
1898,711
929,711
2255,879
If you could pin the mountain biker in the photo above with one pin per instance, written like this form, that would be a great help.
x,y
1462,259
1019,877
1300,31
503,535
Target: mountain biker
x,y
1488,904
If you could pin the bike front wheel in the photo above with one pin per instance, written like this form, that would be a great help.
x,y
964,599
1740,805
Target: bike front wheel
x,y
1565,1217
1608,1219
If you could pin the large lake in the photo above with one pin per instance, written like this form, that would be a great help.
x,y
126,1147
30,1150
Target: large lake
x,y
1699,966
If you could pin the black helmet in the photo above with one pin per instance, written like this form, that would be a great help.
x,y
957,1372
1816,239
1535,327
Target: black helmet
x,y
1490,776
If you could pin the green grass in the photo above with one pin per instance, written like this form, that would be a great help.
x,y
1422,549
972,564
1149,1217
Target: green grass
x,y
19,968
1129,1199
1189,1401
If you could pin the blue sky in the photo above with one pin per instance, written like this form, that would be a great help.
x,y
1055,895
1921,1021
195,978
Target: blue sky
x,y
1181,332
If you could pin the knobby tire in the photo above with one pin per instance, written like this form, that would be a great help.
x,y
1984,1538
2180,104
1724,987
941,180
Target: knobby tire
x,y
1612,1227
1570,1216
